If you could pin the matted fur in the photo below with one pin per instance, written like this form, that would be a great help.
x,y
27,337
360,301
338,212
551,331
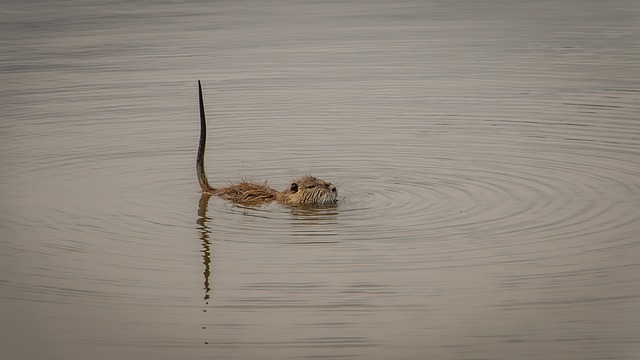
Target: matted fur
x,y
246,192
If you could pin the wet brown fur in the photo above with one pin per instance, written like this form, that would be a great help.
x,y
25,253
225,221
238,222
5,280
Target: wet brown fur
x,y
307,190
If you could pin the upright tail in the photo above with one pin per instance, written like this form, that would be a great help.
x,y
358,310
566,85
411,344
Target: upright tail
x,y
202,176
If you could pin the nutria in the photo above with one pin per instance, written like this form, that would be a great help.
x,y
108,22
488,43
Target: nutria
x,y
306,190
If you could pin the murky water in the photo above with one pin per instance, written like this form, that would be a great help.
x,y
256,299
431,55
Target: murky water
x,y
487,155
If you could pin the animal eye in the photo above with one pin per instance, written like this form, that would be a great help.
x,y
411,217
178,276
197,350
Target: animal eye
x,y
294,187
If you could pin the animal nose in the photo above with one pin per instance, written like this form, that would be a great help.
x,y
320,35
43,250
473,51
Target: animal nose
x,y
333,189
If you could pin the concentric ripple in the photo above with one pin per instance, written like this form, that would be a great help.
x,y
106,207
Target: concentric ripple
x,y
567,178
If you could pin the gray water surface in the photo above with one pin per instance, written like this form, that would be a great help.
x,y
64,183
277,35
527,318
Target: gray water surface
x,y
487,155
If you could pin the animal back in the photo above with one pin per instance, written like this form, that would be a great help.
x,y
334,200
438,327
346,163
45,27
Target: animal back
x,y
248,193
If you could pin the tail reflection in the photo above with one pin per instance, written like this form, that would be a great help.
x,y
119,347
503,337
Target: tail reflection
x,y
206,243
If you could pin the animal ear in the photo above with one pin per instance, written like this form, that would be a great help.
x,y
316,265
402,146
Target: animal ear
x,y
294,188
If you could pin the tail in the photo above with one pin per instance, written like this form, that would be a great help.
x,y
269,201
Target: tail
x,y
202,176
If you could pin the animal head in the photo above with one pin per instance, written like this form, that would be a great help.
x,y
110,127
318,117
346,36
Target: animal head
x,y
309,190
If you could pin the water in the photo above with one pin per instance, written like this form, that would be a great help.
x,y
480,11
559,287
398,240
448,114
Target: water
x,y
486,154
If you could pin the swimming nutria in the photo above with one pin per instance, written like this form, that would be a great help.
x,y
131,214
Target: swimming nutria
x,y
306,190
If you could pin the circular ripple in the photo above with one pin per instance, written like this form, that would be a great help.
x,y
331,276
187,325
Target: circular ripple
x,y
567,177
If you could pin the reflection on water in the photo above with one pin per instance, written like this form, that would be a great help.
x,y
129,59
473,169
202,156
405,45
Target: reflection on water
x,y
486,154
206,247
206,243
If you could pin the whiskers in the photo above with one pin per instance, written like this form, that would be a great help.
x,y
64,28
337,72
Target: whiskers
x,y
328,198
321,196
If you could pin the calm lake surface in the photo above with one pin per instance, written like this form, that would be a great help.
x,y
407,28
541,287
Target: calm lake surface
x,y
487,156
